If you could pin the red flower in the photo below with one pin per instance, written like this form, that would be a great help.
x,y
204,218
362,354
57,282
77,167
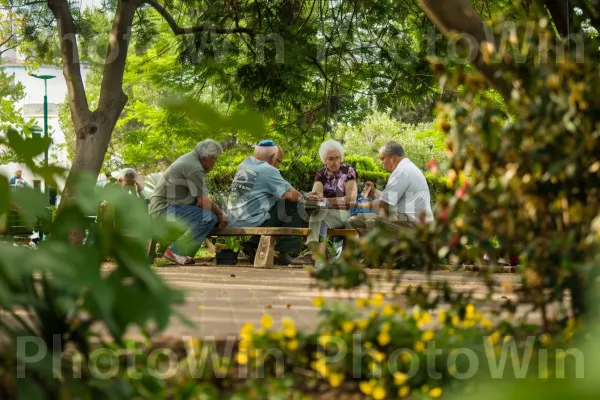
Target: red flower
x,y
443,215
432,165
454,241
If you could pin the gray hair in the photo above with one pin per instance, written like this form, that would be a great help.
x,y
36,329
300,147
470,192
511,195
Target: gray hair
x,y
392,148
129,173
208,148
330,145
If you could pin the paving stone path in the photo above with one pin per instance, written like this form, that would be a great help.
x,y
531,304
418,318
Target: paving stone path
x,y
219,303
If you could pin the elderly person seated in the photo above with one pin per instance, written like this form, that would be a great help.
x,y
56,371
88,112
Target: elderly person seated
x,y
405,201
128,180
335,183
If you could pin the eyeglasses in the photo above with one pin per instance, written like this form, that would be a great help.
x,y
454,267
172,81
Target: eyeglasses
x,y
332,159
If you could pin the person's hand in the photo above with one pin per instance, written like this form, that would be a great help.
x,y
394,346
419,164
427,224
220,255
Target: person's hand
x,y
223,220
314,196
368,188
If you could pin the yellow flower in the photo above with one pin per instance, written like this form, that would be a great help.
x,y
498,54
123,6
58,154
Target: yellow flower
x,y
404,391
470,311
368,345
336,380
427,336
242,358
362,303
377,300
266,321
435,392
287,322
544,339
194,343
377,355
363,323
365,387
379,393
347,326
487,324
419,346
442,317
293,345
494,337
424,320
385,327
247,329
388,310
455,320
319,301
373,314
244,344
400,378
321,367
289,332
405,357
324,340
383,338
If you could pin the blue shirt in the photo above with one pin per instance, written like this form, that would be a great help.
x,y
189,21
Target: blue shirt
x,y
254,191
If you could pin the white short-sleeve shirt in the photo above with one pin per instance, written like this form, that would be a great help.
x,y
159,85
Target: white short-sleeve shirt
x,y
407,192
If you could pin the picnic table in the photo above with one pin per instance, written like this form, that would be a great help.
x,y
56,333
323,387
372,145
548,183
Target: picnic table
x,y
268,235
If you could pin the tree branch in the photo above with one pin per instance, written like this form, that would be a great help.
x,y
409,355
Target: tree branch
x,y
6,41
561,15
177,30
112,100
458,16
70,60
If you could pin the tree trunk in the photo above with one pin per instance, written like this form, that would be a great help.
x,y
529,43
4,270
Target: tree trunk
x,y
93,130
92,143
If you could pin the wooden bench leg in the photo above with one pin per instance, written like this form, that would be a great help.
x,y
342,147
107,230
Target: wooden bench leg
x,y
265,252
152,251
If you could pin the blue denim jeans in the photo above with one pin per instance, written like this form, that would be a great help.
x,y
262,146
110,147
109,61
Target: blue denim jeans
x,y
200,223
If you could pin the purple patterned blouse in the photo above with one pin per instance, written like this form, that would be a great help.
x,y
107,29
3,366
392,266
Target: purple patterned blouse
x,y
334,185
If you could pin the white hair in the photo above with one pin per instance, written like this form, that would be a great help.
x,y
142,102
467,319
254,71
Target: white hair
x,y
328,146
208,148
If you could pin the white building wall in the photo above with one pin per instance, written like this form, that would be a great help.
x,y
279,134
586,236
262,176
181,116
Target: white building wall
x,y
32,107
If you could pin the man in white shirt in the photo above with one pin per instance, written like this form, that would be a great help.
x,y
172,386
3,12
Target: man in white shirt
x,y
405,201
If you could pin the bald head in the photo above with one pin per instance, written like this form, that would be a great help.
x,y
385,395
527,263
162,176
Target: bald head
x,y
265,153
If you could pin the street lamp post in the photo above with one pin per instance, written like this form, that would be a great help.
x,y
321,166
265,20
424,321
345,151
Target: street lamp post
x,y
45,78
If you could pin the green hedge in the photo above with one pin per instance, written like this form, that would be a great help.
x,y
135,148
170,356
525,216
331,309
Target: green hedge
x,y
300,172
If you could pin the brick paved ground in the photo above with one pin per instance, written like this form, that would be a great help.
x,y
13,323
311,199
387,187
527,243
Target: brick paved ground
x,y
220,304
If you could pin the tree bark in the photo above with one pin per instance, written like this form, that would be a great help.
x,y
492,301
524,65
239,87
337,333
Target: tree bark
x,y
93,130
458,16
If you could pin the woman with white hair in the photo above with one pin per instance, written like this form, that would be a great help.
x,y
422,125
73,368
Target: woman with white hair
x,y
336,184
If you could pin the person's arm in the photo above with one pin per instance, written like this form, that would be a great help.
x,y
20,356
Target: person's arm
x,y
292,195
370,191
206,203
351,192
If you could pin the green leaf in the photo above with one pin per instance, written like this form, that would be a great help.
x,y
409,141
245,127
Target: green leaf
x,y
4,195
31,204
27,148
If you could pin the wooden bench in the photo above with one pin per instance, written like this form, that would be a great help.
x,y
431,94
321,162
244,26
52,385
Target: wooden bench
x,y
268,237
